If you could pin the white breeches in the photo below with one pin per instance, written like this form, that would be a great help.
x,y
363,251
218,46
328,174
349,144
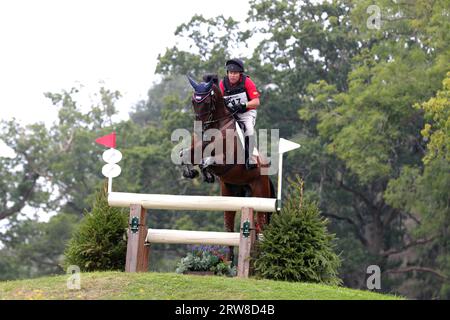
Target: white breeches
x,y
248,118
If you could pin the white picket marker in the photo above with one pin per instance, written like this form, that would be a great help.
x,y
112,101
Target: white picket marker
x,y
112,156
111,169
284,146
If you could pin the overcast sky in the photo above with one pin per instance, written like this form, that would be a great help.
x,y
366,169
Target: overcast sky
x,y
50,45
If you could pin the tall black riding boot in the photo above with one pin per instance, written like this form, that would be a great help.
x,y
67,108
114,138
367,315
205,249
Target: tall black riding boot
x,y
248,154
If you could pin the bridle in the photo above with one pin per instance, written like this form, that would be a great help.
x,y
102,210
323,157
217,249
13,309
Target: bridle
x,y
198,98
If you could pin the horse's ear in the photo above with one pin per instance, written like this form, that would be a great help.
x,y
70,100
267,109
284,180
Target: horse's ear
x,y
209,85
193,83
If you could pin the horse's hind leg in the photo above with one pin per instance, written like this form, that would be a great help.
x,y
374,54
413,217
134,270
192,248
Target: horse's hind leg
x,y
229,217
229,227
261,188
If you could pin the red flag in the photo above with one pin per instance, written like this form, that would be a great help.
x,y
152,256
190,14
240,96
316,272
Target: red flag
x,y
108,140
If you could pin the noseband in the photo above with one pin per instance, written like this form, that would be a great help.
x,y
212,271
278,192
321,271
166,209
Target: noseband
x,y
198,98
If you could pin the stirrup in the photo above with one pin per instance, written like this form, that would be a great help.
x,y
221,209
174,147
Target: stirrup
x,y
250,166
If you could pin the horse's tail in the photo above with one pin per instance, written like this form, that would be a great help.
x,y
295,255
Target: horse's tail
x,y
272,190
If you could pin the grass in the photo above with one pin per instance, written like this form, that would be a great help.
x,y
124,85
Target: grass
x,y
171,286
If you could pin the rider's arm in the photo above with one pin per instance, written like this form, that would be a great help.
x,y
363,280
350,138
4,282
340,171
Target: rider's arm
x,y
252,93
253,104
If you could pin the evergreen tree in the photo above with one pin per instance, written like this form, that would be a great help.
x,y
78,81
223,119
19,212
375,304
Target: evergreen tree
x,y
297,245
99,243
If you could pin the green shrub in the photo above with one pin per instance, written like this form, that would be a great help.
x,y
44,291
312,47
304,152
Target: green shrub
x,y
296,245
99,243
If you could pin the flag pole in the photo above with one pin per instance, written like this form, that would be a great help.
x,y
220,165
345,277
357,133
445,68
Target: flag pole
x,y
111,157
280,175
109,185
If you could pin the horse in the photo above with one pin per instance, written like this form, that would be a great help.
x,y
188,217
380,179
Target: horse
x,y
235,180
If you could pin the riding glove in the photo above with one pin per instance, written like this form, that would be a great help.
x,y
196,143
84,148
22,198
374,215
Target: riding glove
x,y
242,107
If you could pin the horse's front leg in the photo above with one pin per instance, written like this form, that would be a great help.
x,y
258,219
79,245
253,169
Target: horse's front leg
x,y
207,176
189,171
187,167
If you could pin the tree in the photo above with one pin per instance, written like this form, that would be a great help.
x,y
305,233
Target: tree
x,y
353,88
99,242
54,167
21,184
32,248
425,193
55,170
208,50
330,80
297,245
437,109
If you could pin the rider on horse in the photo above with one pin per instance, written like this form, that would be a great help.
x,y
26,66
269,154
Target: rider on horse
x,y
241,96
208,102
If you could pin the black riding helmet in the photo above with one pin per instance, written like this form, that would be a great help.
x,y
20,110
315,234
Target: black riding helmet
x,y
235,65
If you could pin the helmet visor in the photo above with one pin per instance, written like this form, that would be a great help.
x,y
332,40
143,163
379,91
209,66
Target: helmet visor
x,y
234,67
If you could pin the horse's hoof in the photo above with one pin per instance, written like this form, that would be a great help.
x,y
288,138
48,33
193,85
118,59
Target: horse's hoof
x,y
209,178
191,174
194,174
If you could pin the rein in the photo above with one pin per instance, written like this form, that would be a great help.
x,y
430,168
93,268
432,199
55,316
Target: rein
x,y
211,109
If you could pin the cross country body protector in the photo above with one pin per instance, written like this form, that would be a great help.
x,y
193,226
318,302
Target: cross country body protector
x,y
236,95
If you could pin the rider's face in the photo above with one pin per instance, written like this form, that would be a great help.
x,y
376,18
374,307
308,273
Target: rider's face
x,y
233,76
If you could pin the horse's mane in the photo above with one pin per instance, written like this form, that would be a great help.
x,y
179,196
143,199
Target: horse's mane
x,y
208,76
219,97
